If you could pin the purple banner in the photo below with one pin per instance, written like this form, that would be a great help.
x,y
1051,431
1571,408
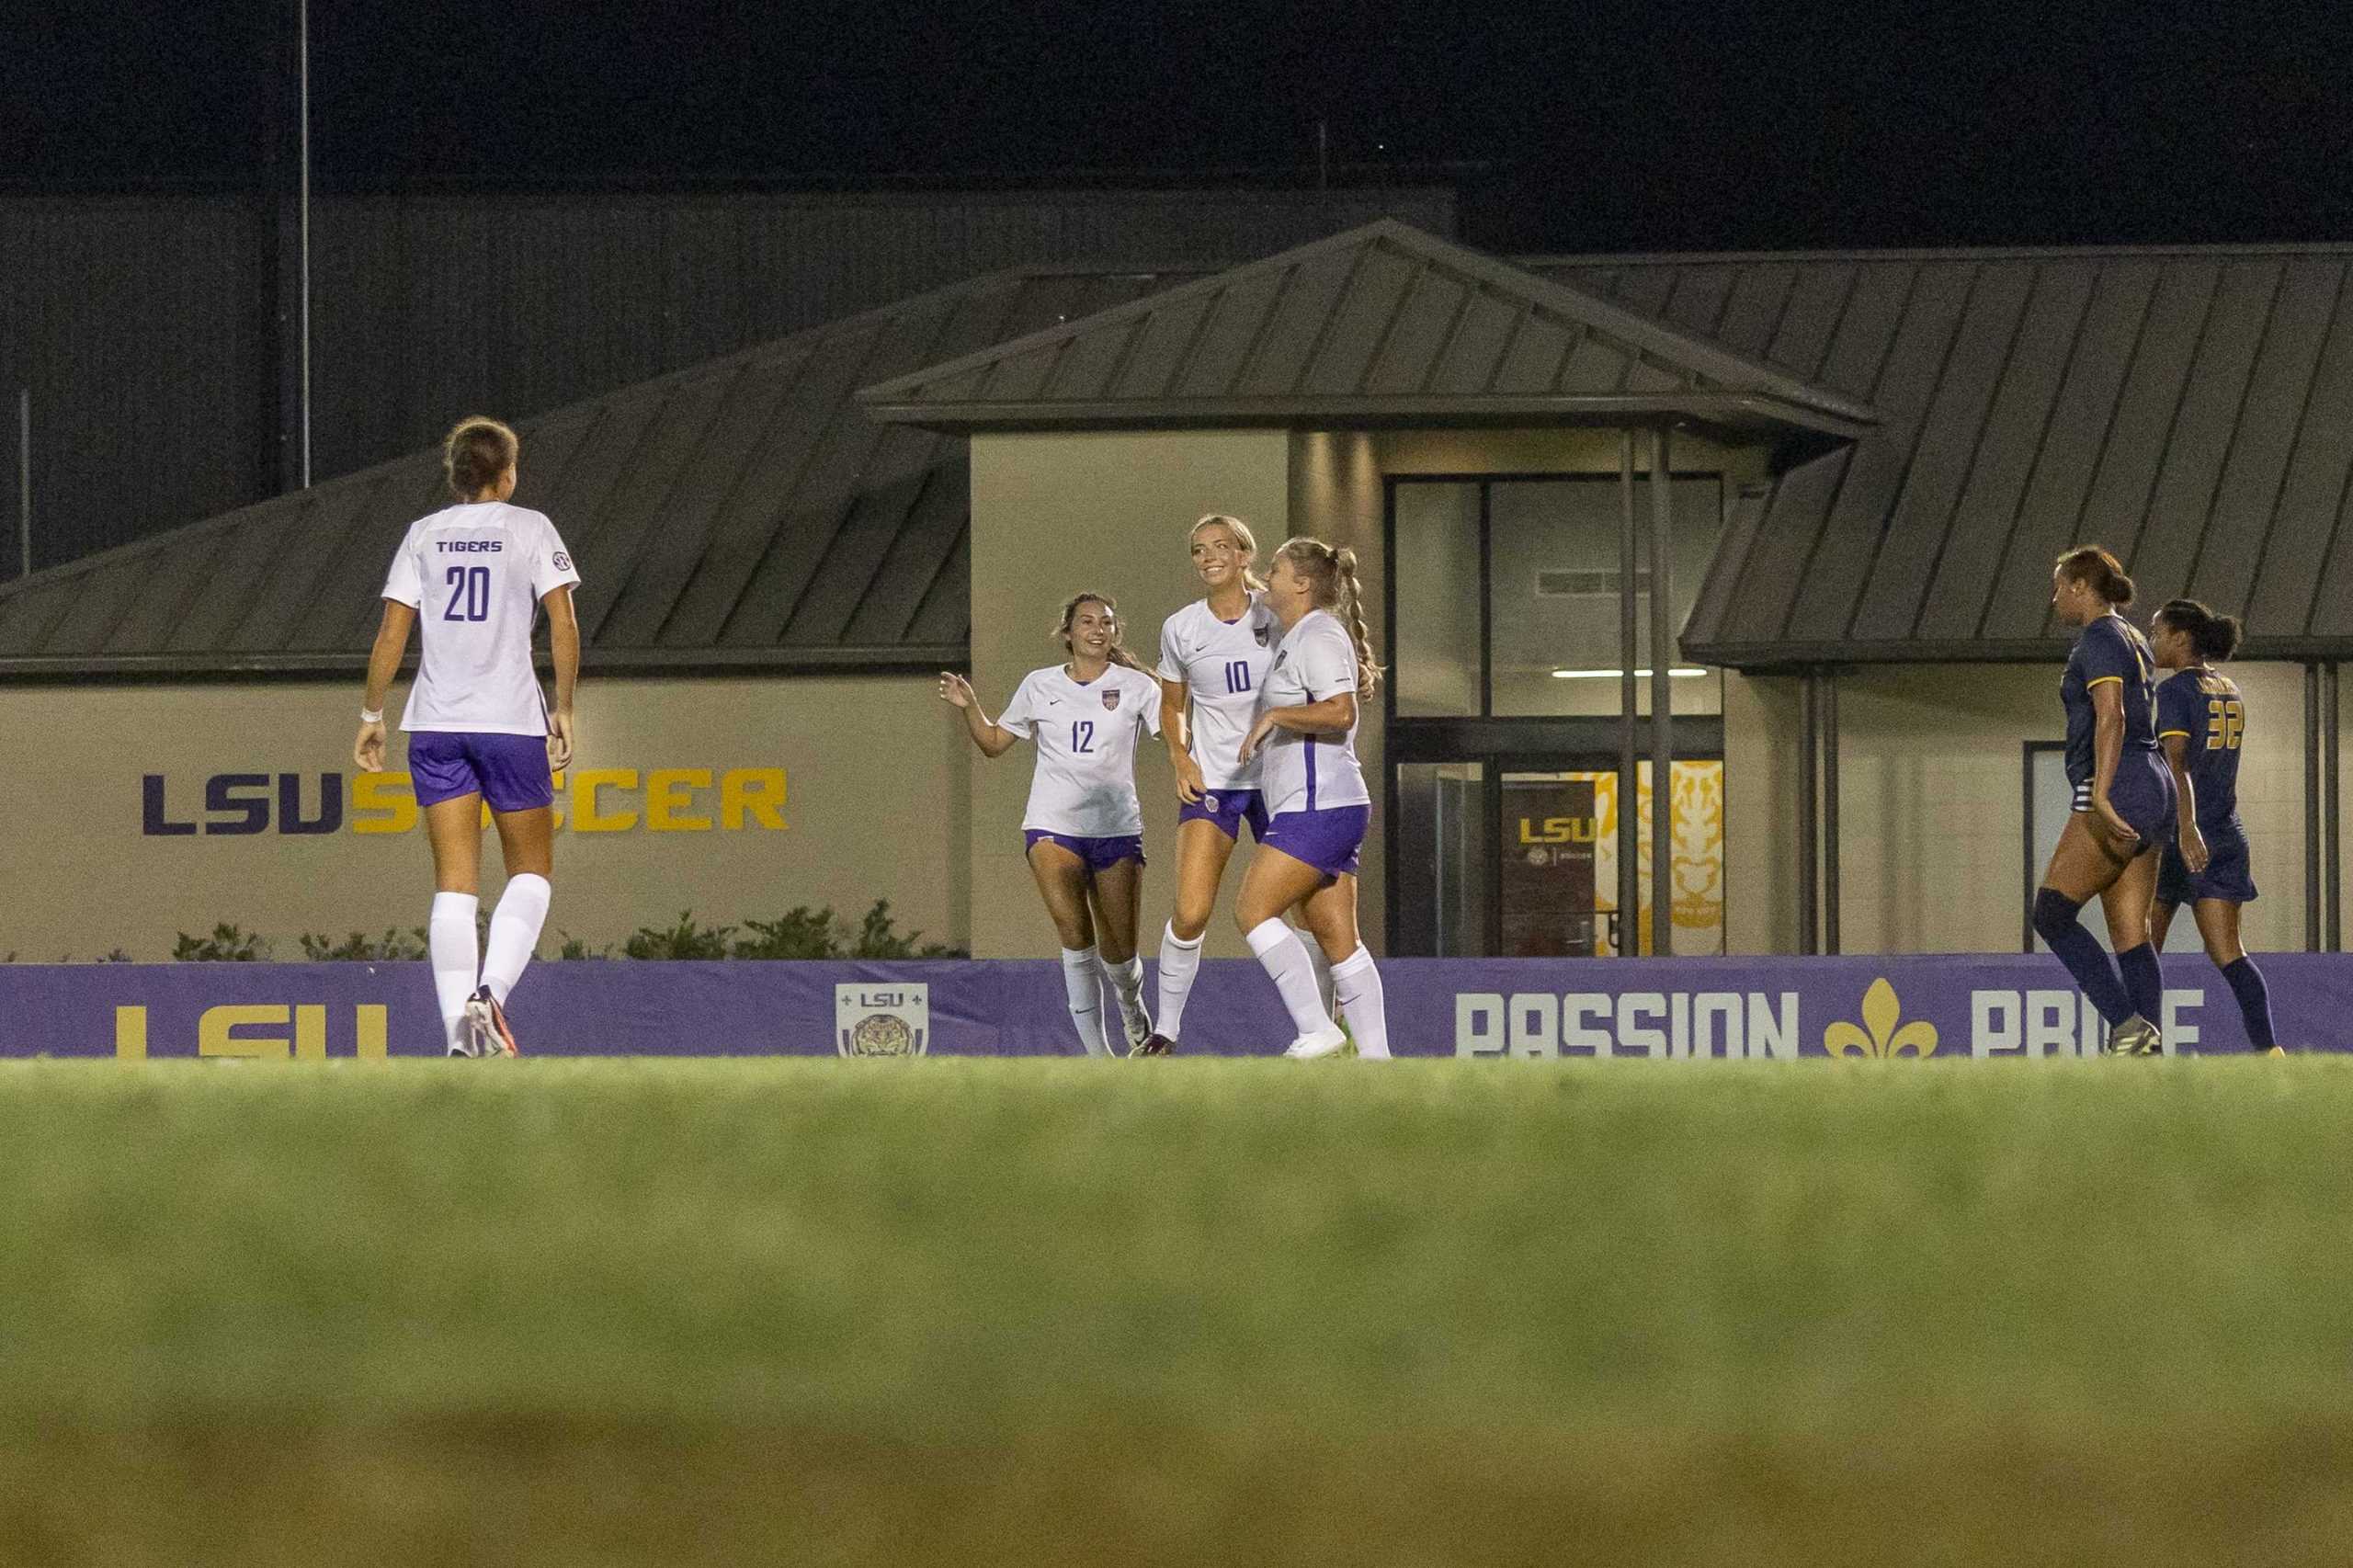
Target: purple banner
x,y
1995,1006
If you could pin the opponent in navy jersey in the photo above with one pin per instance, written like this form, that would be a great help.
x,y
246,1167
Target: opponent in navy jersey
x,y
2201,725
1318,807
2124,804
473,576
1214,654
1082,831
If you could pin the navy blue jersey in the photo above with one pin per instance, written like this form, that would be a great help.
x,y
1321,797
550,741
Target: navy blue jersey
x,y
2206,711
2111,648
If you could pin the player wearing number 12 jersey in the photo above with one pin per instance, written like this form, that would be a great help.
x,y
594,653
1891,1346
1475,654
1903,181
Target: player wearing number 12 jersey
x,y
473,577
1082,832
2201,720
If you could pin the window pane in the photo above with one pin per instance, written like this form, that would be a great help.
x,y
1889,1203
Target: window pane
x,y
1434,640
1443,853
1556,593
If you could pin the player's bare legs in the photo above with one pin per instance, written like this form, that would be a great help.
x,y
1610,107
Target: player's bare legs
x,y
1116,898
1275,882
527,840
1062,879
1202,851
2089,860
453,828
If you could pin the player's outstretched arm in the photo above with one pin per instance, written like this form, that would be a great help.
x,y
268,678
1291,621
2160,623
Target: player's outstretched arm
x,y
956,692
384,663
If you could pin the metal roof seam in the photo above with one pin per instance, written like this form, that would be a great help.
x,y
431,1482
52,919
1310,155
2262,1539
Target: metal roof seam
x,y
2345,485
1846,470
1422,269
2173,421
2238,430
2295,445
1473,290
2115,408
2041,444
1977,441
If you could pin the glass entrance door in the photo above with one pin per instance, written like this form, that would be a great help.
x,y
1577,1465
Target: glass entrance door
x,y
1517,857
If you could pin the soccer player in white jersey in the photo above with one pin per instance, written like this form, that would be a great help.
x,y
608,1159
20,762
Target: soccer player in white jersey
x,y
479,729
1213,658
1317,804
1083,828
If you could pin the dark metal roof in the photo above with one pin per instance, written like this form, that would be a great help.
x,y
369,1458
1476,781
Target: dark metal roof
x,y
2191,409
1382,324
741,514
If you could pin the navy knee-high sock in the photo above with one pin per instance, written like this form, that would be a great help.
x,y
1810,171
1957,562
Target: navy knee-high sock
x,y
2143,980
2055,923
2255,1000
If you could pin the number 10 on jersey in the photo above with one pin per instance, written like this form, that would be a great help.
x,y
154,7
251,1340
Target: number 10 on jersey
x,y
1237,676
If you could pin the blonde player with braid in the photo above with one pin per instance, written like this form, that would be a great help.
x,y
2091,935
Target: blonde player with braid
x,y
1317,805
1213,659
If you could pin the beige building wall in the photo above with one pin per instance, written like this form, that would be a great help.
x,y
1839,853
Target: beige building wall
x,y
736,798
1059,514
1932,809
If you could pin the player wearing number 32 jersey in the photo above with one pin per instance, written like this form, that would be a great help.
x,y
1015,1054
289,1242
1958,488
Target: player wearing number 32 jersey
x,y
472,578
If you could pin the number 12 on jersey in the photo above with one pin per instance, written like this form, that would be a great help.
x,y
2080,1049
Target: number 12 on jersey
x,y
469,594
1082,735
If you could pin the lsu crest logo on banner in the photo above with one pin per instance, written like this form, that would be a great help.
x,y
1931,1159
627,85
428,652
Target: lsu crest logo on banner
x,y
882,1020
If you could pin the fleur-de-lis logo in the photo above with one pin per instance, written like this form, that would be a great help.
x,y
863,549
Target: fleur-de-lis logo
x,y
1881,1010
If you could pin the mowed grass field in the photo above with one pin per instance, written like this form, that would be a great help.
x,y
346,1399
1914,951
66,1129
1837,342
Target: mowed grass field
x,y
1184,1312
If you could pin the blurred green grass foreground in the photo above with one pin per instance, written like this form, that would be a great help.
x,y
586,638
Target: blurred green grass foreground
x,y
1017,1312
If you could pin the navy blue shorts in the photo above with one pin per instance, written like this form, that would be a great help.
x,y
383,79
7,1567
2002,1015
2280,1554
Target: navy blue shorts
x,y
1329,840
2143,794
1229,809
1100,853
508,771
2229,874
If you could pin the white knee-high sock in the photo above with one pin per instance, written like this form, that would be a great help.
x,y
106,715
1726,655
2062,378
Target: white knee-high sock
x,y
1179,961
1362,999
1323,967
1284,958
450,942
1126,978
1082,982
514,932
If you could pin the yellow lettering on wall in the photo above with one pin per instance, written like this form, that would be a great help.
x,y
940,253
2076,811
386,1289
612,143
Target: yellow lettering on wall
x,y
586,816
667,799
756,792
310,1033
130,1034
213,1037
388,794
371,1029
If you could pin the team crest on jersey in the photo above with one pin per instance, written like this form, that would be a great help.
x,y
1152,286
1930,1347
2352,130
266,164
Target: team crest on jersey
x,y
1261,633
1111,698
562,561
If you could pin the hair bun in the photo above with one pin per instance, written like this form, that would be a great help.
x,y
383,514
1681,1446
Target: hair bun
x,y
1345,558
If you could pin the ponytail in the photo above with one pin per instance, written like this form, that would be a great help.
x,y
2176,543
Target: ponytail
x,y
2090,563
2212,637
1333,574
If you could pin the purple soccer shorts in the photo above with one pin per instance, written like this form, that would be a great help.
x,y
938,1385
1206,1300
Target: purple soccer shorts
x,y
1100,853
508,771
1229,809
1329,840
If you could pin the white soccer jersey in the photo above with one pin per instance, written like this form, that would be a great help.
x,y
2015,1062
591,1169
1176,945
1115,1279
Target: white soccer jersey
x,y
476,573
1222,665
1315,659
1085,780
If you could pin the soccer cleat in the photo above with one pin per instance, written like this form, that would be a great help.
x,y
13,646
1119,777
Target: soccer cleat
x,y
1315,1047
1157,1044
2276,1051
2134,1036
1138,1024
487,1024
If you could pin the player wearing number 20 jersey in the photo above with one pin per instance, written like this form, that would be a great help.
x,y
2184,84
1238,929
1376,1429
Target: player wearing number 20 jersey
x,y
473,577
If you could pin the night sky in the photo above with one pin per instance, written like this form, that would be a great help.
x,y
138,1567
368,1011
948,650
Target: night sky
x,y
1592,127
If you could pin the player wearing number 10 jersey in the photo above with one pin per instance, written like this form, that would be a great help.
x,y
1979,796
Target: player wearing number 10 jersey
x,y
472,576
2201,720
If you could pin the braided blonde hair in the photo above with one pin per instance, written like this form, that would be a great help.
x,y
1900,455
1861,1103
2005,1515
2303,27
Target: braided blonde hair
x,y
1332,575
